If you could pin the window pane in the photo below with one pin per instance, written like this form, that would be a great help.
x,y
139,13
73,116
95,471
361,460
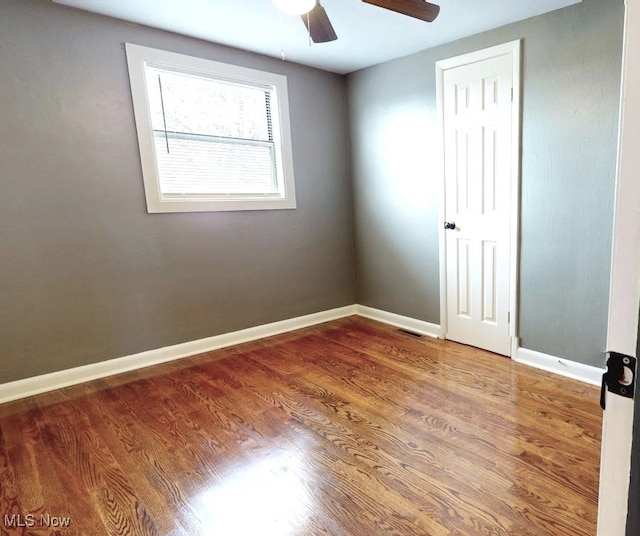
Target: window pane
x,y
212,107
214,166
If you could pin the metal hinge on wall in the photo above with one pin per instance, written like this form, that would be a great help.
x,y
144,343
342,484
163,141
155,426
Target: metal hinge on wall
x,y
619,378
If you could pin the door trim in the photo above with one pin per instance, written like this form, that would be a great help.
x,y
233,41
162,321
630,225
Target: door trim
x,y
513,48
624,292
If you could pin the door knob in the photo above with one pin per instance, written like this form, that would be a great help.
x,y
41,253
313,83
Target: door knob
x,y
450,225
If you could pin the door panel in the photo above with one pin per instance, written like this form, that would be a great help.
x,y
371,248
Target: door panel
x,y
489,176
489,289
464,282
462,171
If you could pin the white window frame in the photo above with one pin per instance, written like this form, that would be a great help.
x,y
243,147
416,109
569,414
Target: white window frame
x,y
139,57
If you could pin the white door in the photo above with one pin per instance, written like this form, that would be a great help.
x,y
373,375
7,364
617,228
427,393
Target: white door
x,y
477,103
624,294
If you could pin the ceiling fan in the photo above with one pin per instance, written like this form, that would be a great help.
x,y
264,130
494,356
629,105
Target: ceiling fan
x,y
321,30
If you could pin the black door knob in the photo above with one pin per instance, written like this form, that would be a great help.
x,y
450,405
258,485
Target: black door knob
x,y
450,225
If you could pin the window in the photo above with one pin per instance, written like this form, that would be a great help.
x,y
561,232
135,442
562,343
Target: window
x,y
212,136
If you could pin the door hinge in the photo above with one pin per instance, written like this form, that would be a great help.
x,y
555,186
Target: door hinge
x,y
509,317
619,378
511,94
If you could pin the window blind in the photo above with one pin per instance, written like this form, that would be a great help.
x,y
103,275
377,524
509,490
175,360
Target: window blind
x,y
212,137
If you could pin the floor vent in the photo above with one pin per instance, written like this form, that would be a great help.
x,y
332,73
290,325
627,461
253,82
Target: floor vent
x,y
412,333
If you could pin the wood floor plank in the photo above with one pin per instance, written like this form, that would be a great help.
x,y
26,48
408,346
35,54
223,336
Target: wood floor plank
x,y
333,458
346,428
527,416
375,457
142,460
10,504
216,406
83,458
427,456
372,386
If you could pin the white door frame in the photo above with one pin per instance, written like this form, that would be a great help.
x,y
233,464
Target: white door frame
x,y
624,296
512,48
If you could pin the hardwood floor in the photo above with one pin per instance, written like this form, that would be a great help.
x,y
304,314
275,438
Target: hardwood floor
x,y
349,428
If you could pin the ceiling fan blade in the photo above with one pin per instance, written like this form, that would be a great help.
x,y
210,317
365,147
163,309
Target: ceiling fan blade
x,y
418,9
318,25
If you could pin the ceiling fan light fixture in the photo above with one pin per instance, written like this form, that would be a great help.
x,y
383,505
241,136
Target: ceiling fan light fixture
x,y
295,7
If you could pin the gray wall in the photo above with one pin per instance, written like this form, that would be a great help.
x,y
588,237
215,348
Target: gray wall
x,y
571,75
85,273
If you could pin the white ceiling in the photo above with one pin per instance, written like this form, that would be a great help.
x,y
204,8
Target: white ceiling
x,y
367,35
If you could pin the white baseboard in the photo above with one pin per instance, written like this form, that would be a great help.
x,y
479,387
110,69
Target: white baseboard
x,y
563,367
65,378
405,322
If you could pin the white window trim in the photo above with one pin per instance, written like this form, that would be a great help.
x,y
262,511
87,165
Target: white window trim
x,y
137,58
